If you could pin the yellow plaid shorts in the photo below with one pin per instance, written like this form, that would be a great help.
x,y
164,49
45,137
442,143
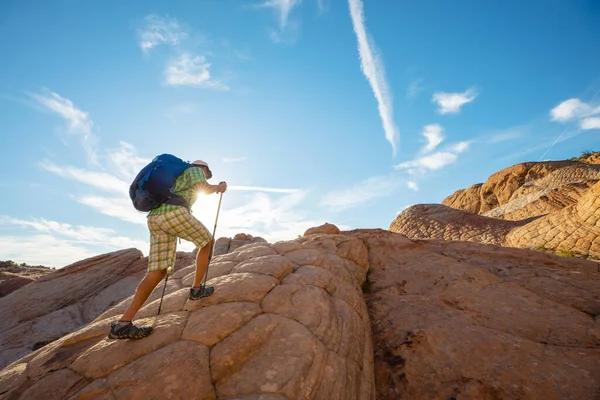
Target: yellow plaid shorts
x,y
164,231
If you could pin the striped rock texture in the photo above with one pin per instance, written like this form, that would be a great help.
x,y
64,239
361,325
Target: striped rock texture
x,y
574,229
527,190
286,321
557,212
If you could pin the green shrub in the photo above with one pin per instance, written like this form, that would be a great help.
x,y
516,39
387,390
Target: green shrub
x,y
566,253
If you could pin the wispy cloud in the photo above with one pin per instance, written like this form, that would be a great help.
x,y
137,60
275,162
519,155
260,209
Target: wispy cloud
x,y
512,133
158,30
372,67
117,207
435,161
99,180
57,244
234,159
263,189
188,70
360,193
450,103
433,134
282,8
414,88
125,161
460,146
79,122
412,185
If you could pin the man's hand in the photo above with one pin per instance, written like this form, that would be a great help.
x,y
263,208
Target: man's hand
x,y
222,187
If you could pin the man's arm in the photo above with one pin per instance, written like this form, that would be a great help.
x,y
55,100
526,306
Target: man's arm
x,y
207,188
200,183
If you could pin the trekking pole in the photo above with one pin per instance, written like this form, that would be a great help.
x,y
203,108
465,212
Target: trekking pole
x,y
213,245
161,299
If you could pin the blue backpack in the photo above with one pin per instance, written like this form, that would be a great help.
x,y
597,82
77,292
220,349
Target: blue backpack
x,y
154,184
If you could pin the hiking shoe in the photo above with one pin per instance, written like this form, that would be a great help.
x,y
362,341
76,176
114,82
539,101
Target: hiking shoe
x,y
128,331
200,292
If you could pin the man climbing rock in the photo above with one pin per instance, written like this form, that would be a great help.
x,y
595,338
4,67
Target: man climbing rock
x,y
167,222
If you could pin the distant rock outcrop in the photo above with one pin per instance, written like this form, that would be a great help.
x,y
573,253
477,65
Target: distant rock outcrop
x,y
527,190
66,299
226,245
550,206
14,276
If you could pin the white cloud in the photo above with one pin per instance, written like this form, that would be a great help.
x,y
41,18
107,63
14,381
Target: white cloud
x,y
79,122
460,146
118,207
412,185
372,67
188,70
97,179
570,109
360,193
58,244
590,123
283,9
271,216
431,162
450,103
433,134
234,159
160,30
42,249
126,162
414,88
263,189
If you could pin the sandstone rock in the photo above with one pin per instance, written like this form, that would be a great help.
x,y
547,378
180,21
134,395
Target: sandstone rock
x,y
61,302
287,321
326,228
467,320
11,282
555,191
437,221
225,245
260,340
507,184
574,230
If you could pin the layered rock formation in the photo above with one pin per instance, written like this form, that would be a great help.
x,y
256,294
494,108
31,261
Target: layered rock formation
x,y
286,321
526,190
556,211
575,229
15,277
425,221
68,298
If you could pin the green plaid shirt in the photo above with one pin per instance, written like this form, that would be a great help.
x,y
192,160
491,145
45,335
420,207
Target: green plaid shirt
x,y
187,185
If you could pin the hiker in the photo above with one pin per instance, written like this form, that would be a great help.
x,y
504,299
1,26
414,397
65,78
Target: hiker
x,y
167,222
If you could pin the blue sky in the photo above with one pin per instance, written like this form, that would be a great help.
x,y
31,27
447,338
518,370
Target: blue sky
x,y
312,111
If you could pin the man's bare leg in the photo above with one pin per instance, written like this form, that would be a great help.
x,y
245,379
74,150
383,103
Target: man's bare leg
x,y
142,293
201,263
